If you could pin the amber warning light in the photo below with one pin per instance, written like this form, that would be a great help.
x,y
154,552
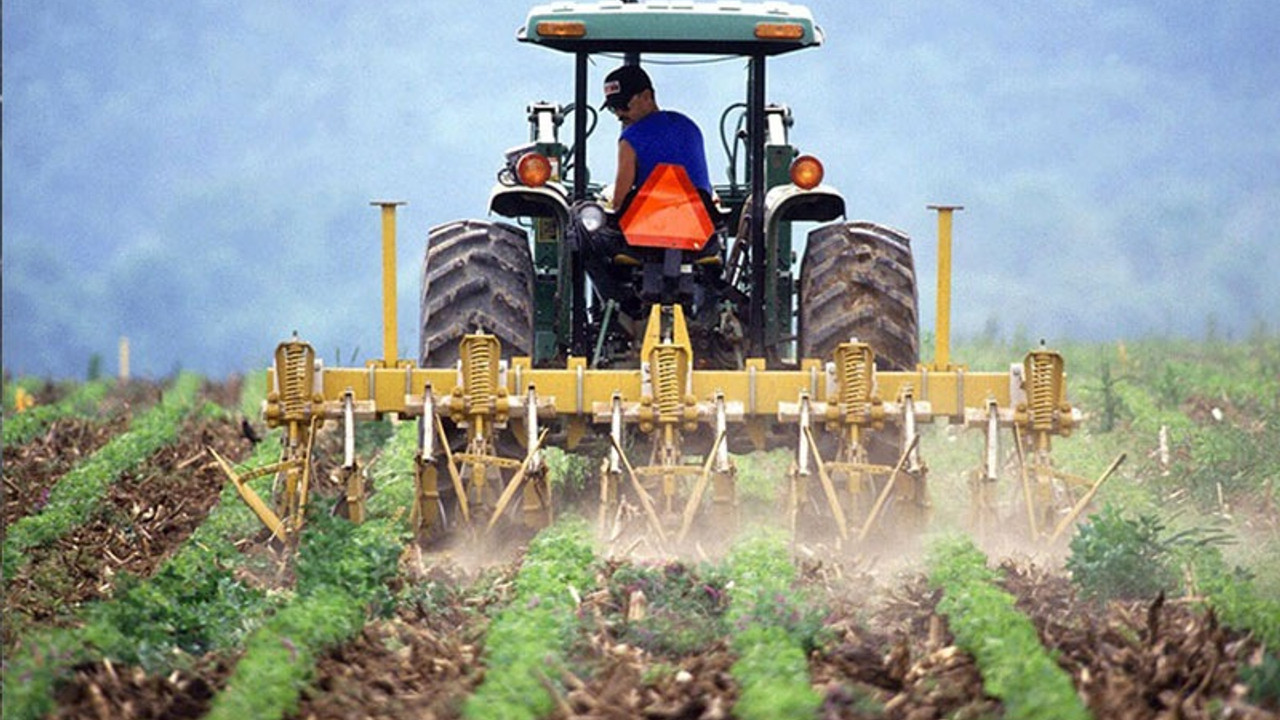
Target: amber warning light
x,y
562,29
779,31
806,172
533,169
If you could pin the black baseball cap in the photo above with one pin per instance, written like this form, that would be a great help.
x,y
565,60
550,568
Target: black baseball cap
x,y
624,82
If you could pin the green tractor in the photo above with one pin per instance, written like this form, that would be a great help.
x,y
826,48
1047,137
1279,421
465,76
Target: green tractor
x,y
544,297
672,350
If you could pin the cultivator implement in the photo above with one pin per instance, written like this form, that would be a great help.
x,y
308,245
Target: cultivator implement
x,y
681,419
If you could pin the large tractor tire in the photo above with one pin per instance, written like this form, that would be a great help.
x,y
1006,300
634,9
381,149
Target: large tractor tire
x,y
475,276
858,280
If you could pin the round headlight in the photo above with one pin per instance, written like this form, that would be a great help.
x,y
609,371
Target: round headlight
x,y
591,216
806,172
533,169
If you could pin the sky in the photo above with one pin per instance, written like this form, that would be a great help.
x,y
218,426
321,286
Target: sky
x,y
196,176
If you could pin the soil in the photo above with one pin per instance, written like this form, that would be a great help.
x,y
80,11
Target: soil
x,y
887,653
1138,659
32,469
101,691
891,656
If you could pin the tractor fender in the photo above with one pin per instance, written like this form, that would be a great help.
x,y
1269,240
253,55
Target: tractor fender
x,y
550,200
789,202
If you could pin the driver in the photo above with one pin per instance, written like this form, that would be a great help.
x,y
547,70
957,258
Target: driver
x,y
650,135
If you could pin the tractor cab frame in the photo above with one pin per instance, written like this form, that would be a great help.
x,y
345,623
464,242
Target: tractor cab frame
x,y
757,211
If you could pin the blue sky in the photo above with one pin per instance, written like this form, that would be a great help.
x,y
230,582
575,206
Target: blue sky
x,y
196,175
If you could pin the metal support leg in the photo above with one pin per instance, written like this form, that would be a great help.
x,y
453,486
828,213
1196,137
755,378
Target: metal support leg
x,y
425,515
350,466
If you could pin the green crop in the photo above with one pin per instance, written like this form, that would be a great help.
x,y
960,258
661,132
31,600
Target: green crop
x,y
1114,556
343,570
772,627
85,401
191,604
78,493
1003,642
526,643
391,491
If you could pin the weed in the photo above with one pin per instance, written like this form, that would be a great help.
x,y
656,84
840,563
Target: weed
x,y
684,610
1263,681
1114,556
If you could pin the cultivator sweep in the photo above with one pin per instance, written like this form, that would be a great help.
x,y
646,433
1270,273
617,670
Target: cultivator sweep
x,y
672,353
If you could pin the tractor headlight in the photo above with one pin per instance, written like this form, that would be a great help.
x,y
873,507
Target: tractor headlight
x,y
592,216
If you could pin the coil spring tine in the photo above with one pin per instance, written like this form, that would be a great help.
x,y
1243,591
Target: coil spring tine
x,y
479,375
855,381
667,383
295,393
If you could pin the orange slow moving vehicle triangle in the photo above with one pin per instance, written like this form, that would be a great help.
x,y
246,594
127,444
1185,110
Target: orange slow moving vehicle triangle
x,y
667,212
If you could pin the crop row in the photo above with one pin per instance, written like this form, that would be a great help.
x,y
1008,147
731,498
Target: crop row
x,y
74,497
526,643
773,630
1014,664
21,427
342,571
196,602
192,604
771,625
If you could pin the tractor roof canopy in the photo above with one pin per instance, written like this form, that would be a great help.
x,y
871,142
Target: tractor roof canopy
x,y
725,27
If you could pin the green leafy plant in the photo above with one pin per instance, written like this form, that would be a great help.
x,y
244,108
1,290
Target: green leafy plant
x,y
684,607
191,604
773,627
84,401
986,623
342,570
343,574
526,642
1114,556
1263,681
761,475
569,472
1234,596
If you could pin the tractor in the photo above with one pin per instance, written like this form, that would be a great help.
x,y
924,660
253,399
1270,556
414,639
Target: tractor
x,y
697,341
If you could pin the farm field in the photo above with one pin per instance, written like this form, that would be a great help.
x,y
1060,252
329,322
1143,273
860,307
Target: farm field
x,y
137,584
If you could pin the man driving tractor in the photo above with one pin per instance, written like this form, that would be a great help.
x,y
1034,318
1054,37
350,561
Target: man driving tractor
x,y
650,135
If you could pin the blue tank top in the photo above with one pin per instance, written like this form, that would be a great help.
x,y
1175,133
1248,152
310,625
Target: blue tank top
x,y
667,136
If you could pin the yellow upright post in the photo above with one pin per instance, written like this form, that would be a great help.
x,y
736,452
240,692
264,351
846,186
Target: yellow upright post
x,y
390,332
124,359
942,352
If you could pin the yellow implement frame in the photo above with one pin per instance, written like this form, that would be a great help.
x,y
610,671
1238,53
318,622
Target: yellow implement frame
x,y
843,399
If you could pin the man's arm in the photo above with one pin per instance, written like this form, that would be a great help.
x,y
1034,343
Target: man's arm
x,y
626,173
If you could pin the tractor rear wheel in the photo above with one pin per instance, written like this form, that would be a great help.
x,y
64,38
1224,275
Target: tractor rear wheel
x,y
858,280
476,275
